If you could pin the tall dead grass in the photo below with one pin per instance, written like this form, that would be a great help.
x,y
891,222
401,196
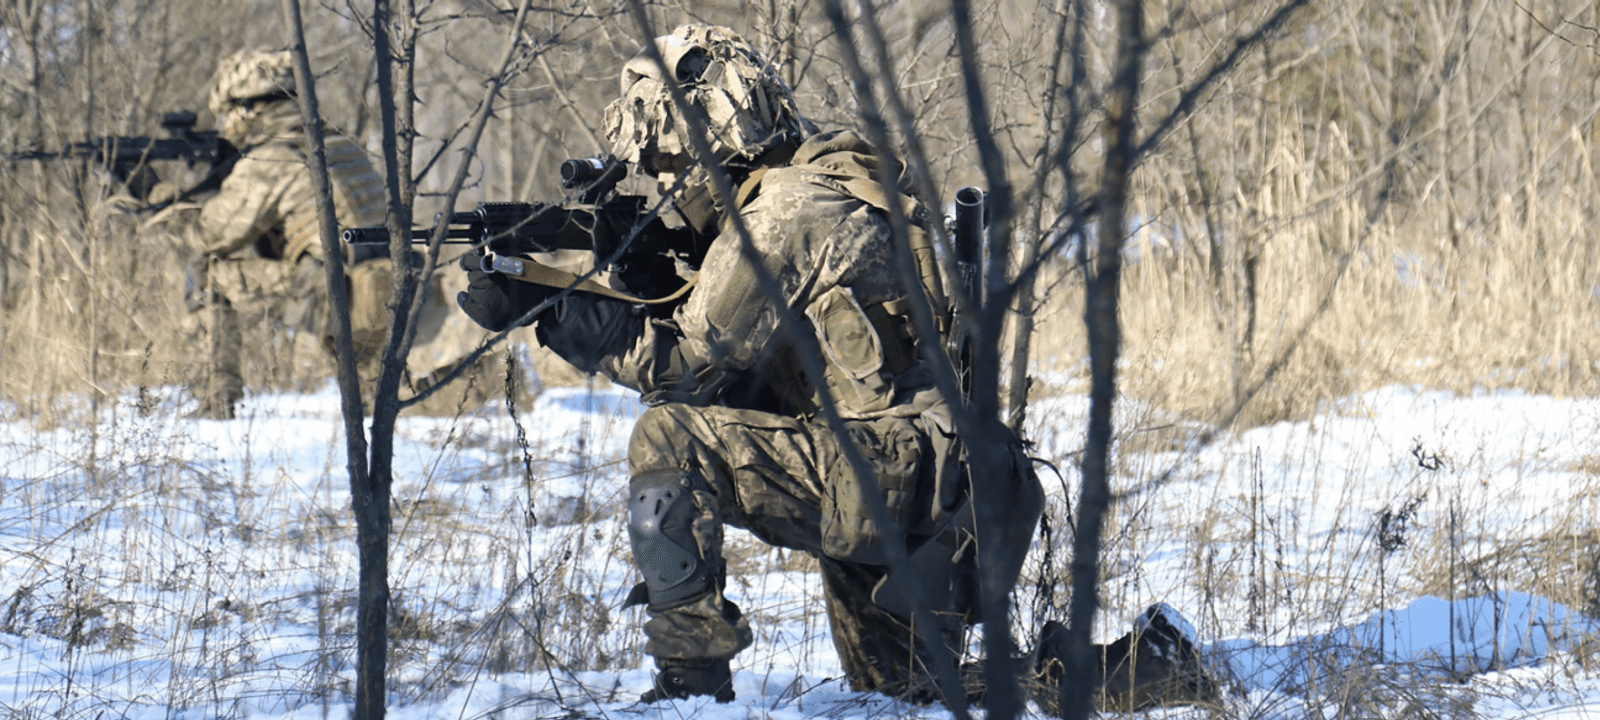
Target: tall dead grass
x,y
1508,304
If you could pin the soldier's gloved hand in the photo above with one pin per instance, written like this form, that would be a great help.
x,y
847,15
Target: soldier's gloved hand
x,y
162,194
494,300
587,328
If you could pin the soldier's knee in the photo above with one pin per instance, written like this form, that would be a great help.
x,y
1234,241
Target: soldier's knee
x,y
660,437
672,531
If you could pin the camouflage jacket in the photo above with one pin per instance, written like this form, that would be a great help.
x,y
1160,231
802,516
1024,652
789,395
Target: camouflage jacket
x,y
266,207
830,252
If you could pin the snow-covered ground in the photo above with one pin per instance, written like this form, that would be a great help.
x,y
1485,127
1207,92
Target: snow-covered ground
x,y
1405,553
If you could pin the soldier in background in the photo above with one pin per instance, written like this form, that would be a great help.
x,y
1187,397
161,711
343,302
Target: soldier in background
x,y
261,253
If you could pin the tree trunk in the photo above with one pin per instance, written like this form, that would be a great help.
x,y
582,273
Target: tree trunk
x,y
369,491
1100,318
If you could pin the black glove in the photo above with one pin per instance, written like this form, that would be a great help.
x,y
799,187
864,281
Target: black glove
x,y
494,300
588,328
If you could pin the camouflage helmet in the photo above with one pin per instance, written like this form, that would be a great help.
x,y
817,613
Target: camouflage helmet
x,y
251,74
750,108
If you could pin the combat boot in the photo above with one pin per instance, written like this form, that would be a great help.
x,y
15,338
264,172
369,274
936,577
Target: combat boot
x,y
680,679
1049,664
1155,664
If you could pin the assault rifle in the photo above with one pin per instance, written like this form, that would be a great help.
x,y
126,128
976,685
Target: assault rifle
x,y
128,159
624,233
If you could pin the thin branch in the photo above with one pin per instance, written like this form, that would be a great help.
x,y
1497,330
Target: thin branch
x,y
571,107
1192,95
479,121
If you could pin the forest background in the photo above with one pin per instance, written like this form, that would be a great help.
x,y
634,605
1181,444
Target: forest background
x,y
1434,157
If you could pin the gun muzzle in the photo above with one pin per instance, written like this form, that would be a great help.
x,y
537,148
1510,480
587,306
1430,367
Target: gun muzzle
x,y
970,220
366,236
178,123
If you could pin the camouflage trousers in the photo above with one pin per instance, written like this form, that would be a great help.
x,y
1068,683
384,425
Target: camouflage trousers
x,y
774,476
252,293
292,299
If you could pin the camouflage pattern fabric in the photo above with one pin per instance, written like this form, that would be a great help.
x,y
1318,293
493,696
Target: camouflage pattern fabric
x,y
267,208
254,292
730,401
250,74
749,107
829,252
777,477
262,234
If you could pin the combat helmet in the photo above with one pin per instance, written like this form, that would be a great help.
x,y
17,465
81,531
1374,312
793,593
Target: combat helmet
x,y
751,109
246,95
251,75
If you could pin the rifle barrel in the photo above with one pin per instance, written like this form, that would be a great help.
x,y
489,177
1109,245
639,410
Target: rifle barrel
x,y
379,235
969,226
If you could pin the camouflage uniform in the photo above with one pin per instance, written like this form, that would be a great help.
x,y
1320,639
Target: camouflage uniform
x,y
732,434
260,232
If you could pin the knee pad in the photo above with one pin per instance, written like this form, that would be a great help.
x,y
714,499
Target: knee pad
x,y
661,516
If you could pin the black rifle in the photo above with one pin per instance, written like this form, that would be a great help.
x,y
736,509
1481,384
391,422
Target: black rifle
x,y
128,159
624,232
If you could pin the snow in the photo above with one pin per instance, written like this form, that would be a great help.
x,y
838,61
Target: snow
x,y
1431,637
159,567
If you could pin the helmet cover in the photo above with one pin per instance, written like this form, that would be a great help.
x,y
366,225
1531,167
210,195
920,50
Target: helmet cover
x,y
749,106
251,74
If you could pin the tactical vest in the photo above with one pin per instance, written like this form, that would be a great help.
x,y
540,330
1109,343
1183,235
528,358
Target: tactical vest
x,y
359,197
867,348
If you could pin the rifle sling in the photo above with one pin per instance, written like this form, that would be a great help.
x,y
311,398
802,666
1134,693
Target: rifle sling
x,y
537,273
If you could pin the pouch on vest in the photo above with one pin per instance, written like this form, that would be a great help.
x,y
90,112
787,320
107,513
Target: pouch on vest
x,y
894,449
305,296
943,572
854,352
371,285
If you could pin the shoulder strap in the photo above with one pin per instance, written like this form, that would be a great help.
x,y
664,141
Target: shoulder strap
x,y
871,192
779,156
852,167
532,271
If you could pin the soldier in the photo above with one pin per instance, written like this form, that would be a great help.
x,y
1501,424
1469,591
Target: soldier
x,y
261,254
732,434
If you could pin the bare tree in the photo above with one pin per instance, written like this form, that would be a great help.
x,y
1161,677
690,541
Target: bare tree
x,y
371,474
1103,271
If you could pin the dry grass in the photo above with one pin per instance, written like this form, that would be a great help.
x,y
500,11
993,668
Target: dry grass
x,y
1503,312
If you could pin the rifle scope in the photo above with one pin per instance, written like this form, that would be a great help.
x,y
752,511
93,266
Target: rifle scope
x,y
599,171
